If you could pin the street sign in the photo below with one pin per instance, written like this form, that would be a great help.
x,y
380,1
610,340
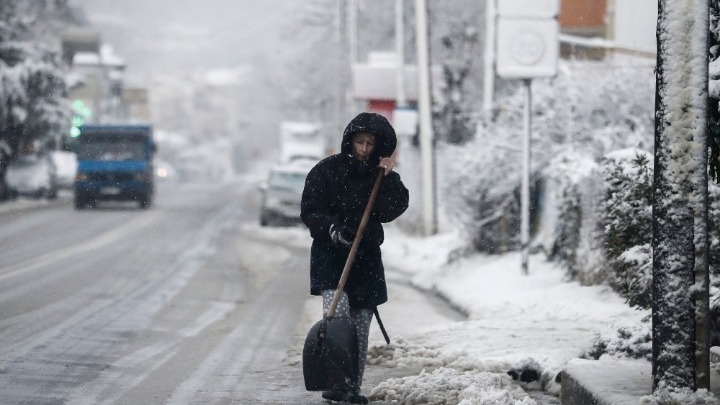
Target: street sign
x,y
527,39
527,48
529,8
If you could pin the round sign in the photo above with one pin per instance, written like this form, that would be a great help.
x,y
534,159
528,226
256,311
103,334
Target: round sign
x,y
527,48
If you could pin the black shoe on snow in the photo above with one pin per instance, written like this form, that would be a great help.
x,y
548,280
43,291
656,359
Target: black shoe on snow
x,y
334,395
354,397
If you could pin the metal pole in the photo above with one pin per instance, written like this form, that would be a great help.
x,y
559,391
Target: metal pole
x,y
525,192
352,31
425,117
489,69
400,51
339,80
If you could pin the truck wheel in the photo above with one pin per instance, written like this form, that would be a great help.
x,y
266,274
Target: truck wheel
x,y
52,194
145,202
79,203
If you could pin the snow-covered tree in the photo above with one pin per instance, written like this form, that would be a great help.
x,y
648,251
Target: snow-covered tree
x,y
680,190
454,119
315,70
33,103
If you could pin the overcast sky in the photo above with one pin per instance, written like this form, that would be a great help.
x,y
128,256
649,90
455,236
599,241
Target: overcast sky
x,y
185,35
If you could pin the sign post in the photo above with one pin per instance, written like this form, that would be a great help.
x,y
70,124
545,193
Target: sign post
x,y
527,48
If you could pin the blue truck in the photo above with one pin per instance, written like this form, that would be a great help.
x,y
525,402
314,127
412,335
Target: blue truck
x,y
114,162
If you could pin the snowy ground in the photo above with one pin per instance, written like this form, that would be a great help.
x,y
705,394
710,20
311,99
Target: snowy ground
x,y
514,322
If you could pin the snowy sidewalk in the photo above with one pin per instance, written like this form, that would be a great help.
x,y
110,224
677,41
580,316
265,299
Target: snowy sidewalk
x,y
515,322
534,323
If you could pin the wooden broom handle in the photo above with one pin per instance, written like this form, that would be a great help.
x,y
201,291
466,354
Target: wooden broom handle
x,y
356,242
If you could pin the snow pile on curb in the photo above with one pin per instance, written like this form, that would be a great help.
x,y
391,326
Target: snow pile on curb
x,y
535,323
401,353
450,386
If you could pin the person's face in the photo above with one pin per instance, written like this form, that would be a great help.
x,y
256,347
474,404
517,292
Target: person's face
x,y
363,145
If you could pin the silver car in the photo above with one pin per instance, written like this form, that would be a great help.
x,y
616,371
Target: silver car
x,y
32,175
281,194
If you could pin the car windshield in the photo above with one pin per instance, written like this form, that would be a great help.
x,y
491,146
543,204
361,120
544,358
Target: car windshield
x,y
112,149
290,181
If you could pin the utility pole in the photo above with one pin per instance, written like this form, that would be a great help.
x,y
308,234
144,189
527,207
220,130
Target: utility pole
x,y
425,115
400,52
489,69
352,31
680,345
339,74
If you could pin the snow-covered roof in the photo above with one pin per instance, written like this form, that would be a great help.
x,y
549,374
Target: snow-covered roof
x,y
106,57
86,58
226,77
109,57
298,126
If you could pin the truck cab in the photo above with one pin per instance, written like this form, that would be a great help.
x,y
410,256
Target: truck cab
x,y
301,141
114,162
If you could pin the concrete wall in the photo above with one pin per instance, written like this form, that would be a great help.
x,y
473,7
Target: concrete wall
x,y
634,24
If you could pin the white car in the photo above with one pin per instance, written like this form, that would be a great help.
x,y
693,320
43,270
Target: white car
x,y
65,168
32,175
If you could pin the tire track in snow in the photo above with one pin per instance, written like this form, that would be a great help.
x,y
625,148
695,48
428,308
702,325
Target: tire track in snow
x,y
48,366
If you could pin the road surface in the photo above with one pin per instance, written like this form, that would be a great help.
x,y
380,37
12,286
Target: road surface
x,y
189,302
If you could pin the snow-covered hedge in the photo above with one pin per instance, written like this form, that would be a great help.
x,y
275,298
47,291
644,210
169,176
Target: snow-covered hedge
x,y
587,111
626,221
591,198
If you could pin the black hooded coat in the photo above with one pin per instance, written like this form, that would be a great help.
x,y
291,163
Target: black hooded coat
x,y
336,191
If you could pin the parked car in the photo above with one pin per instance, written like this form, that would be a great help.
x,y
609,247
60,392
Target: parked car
x,y
281,194
65,167
32,175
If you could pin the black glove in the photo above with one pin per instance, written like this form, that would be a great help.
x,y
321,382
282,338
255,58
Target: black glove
x,y
342,235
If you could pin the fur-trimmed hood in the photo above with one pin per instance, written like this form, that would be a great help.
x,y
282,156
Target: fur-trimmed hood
x,y
375,124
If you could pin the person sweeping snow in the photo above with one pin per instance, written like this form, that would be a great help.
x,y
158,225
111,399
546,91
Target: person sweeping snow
x,y
336,192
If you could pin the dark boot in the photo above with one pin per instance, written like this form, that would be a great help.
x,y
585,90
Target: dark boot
x,y
336,394
354,396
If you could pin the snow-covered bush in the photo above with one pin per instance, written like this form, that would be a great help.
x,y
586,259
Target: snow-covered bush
x,y
589,109
634,341
626,222
566,229
683,396
489,206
